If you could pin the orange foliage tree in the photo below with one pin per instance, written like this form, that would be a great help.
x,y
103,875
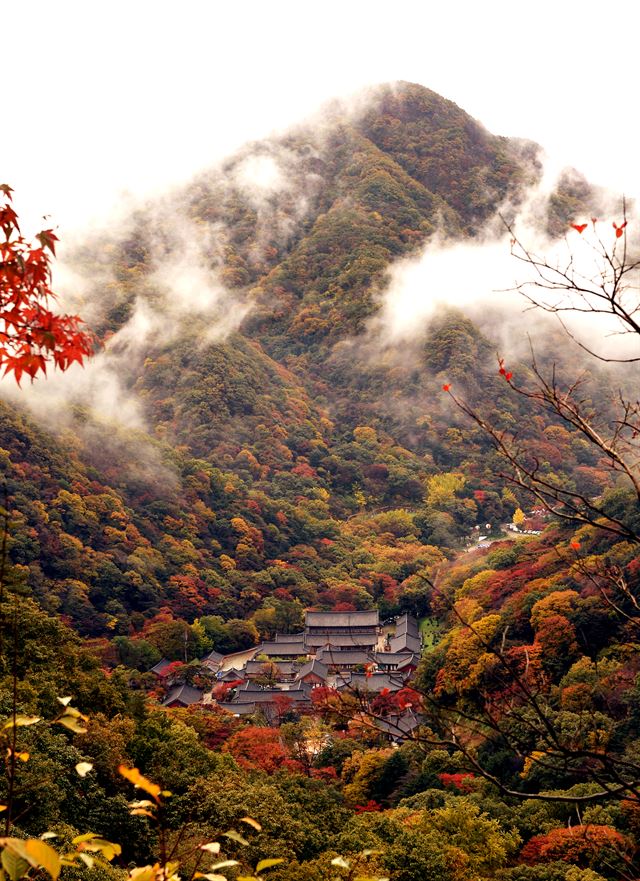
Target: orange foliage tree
x,y
579,845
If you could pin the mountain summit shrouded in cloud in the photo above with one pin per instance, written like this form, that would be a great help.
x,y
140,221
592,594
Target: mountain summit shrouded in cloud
x,y
357,189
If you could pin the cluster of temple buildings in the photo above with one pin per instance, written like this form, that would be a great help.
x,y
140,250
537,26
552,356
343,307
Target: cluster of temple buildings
x,y
344,651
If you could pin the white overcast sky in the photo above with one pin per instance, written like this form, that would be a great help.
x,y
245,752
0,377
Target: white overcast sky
x,y
101,99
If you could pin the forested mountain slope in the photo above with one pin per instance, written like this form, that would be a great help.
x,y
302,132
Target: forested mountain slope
x,y
278,460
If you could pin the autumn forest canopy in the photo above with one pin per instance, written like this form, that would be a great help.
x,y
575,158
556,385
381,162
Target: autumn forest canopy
x,y
250,442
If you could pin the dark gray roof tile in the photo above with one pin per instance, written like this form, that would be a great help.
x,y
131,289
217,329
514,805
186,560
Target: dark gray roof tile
x,y
342,619
313,666
313,640
184,694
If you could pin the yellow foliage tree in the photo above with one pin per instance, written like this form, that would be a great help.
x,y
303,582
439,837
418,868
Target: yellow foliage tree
x,y
443,488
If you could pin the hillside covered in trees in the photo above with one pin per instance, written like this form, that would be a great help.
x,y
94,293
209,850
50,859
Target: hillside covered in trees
x,y
269,448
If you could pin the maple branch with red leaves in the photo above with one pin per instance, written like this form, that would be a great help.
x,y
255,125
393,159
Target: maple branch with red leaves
x,y
610,288
32,336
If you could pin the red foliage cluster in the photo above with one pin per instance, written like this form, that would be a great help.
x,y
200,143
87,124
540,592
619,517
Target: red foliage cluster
x,y
460,781
190,596
173,671
577,844
220,691
505,583
503,370
344,607
324,698
215,728
370,807
328,773
258,748
31,335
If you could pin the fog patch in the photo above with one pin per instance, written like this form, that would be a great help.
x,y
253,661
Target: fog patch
x,y
179,292
492,279
260,176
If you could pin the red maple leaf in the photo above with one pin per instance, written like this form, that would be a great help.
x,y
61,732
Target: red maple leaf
x,y
619,229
